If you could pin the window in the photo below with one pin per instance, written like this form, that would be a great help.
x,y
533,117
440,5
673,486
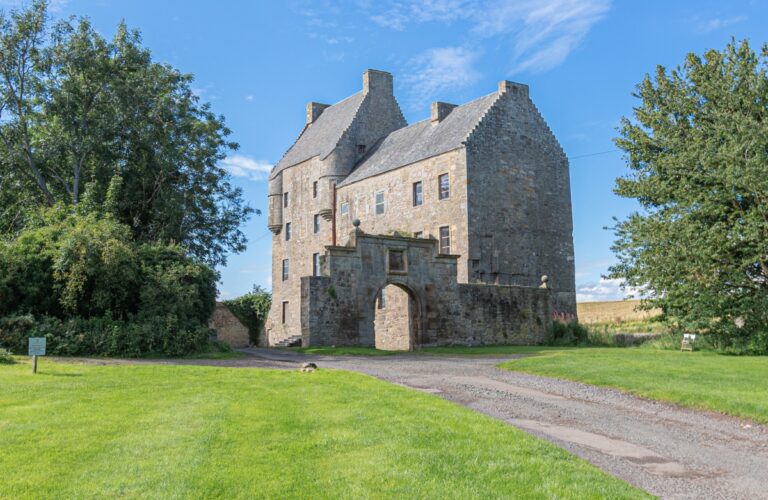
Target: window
x,y
396,262
314,189
380,203
445,240
418,234
382,301
285,269
361,149
285,200
418,197
316,224
285,311
315,264
344,208
287,231
444,187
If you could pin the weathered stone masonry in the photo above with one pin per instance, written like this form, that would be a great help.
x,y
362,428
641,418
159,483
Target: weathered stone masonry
x,y
507,215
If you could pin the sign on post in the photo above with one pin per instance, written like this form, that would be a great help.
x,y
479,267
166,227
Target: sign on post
x,y
688,341
36,348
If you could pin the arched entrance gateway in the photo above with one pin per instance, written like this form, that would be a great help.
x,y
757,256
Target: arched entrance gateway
x,y
398,293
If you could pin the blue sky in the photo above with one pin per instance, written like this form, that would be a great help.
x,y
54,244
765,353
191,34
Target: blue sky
x,y
259,63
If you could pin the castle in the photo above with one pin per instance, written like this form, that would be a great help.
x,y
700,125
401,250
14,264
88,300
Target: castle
x,y
454,230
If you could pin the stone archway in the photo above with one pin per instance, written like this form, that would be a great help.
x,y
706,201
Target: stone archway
x,y
396,318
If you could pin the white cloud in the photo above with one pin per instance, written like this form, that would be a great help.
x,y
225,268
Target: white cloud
x,y
399,14
440,70
605,289
243,166
249,98
710,25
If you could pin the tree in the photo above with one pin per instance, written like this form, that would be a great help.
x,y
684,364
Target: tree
x,y
698,152
83,117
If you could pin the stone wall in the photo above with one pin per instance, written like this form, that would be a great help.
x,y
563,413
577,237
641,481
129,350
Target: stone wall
x,y
519,200
339,308
228,328
392,322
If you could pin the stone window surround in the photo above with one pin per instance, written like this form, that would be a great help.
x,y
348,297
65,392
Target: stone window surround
x,y
418,193
441,193
286,269
377,204
444,249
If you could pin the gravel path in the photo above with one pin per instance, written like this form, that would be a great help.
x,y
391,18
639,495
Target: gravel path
x,y
666,450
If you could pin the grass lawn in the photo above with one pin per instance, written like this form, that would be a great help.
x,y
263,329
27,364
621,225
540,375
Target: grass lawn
x,y
75,431
706,380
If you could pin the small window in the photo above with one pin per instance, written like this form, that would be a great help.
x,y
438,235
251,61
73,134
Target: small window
x,y
315,264
380,203
444,187
382,302
445,240
396,261
418,234
314,189
316,224
418,197
285,269
361,149
287,231
344,208
285,312
285,200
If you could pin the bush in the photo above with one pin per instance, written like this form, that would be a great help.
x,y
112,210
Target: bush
x,y
6,357
252,309
570,333
81,281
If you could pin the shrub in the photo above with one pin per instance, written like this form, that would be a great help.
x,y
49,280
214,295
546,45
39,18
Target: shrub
x,y
252,309
570,333
6,357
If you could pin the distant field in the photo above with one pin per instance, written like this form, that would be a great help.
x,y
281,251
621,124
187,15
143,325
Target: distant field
x,y
618,311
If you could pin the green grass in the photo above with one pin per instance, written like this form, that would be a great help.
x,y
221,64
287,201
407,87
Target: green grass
x,y
83,431
730,384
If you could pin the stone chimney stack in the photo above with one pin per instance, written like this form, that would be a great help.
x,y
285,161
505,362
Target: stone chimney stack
x,y
314,109
377,81
512,88
440,110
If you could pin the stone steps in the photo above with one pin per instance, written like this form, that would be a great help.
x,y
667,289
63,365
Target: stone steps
x,y
292,341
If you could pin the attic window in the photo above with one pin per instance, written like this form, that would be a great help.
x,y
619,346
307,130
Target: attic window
x,y
361,149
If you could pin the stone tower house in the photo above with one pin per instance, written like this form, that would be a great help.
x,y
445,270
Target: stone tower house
x,y
479,191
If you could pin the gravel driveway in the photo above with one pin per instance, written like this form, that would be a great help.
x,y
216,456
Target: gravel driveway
x,y
668,451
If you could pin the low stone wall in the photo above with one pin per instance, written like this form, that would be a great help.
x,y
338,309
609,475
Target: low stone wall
x,y
229,329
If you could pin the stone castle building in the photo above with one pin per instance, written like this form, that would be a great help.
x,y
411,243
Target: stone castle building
x,y
439,232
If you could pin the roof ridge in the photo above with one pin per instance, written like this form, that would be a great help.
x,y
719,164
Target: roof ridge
x,y
482,117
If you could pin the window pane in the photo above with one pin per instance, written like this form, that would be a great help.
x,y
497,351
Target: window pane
x,y
285,312
380,203
444,186
285,200
418,198
445,240
315,264
285,269
287,231
317,223
344,208
314,189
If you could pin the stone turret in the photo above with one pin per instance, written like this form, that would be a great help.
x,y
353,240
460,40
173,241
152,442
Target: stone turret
x,y
275,204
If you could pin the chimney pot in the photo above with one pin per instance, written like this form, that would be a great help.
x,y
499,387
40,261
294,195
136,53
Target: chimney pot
x,y
314,109
440,110
375,80
513,88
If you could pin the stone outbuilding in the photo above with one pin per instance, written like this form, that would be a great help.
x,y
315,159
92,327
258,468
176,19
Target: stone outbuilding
x,y
436,233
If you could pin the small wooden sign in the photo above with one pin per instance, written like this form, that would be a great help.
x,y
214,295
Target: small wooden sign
x,y
37,346
688,340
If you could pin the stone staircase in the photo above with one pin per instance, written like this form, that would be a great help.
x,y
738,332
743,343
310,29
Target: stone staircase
x,y
292,341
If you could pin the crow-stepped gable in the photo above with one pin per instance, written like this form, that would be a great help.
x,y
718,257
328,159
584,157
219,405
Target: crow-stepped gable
x,y
454,230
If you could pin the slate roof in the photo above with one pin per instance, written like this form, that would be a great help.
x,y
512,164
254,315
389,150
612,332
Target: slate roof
x,y
421,140
322,137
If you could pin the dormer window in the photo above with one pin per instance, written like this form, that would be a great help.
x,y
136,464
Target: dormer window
x,y
361,149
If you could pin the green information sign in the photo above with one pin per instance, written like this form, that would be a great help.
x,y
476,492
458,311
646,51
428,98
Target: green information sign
x,y
37,346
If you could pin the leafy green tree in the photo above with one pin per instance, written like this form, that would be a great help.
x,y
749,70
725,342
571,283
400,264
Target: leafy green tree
x,y
698,153
252,309
83,118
